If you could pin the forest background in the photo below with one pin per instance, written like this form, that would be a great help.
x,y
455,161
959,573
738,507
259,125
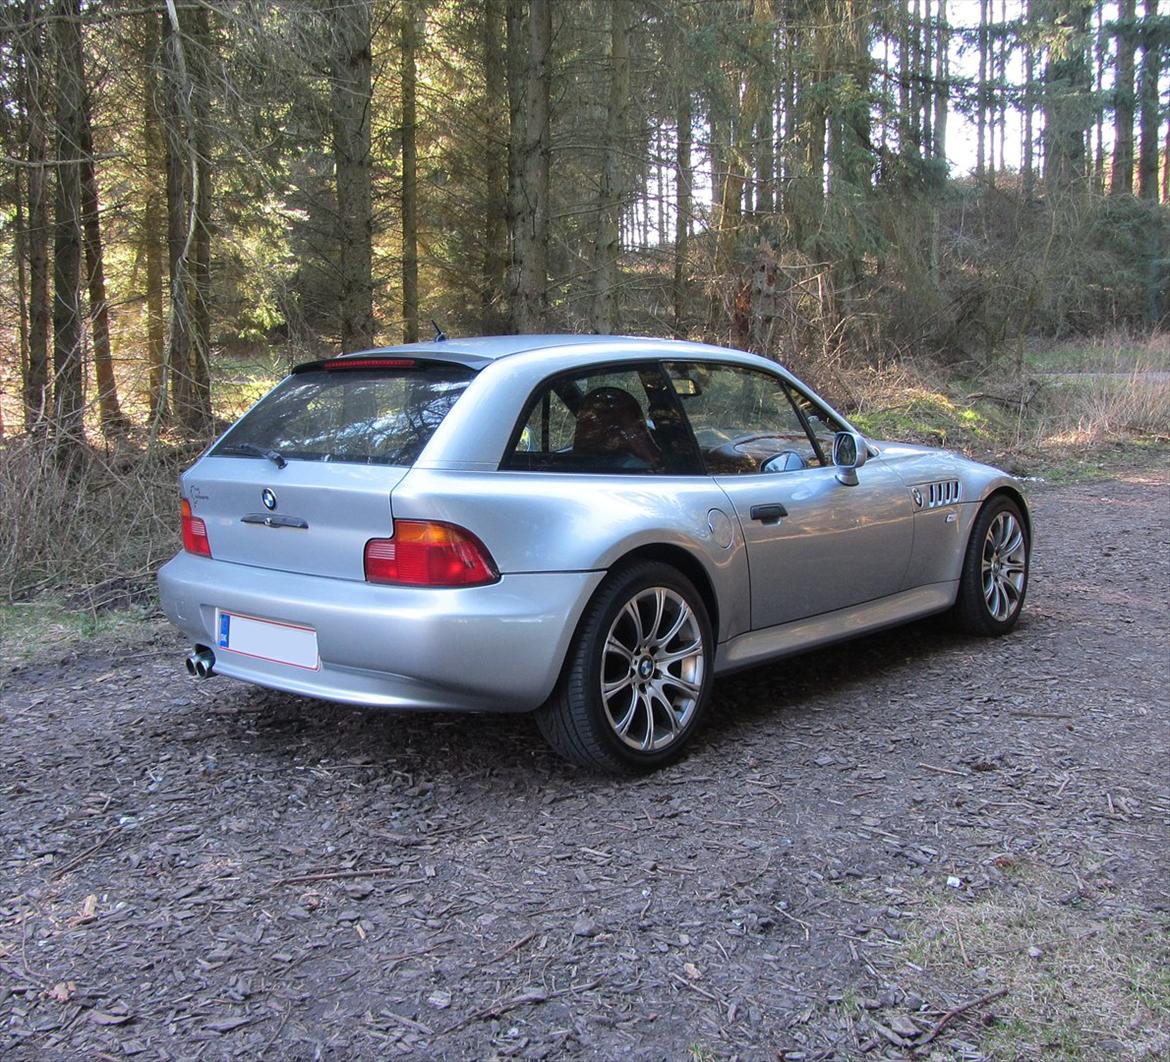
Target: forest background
x,y
197,194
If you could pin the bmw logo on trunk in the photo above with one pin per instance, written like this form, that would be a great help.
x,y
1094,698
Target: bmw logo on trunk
x,y
268,498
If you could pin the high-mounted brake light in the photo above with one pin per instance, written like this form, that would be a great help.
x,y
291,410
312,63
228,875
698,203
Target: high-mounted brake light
x,y
426,553
195,538
338,364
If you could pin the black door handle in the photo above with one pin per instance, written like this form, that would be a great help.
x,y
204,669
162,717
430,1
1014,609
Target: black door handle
x,y
769,514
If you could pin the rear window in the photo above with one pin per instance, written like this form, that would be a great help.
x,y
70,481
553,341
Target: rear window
x,y
379,417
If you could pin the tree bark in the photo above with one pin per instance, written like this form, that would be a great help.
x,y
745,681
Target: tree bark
x,y
178,176
200,419
109,408
1067,97
154,222
351,93
409,48
1147,177
682,209
36,392
611,195
497,170
530,268
68,390
942,73
1123,105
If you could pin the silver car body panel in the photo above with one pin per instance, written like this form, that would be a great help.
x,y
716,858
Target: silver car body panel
x,y
498,646
843,561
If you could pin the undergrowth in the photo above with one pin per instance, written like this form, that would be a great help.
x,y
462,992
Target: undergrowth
x,y
97,529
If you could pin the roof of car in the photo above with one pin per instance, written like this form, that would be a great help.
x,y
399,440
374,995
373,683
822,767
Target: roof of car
x,y
483,349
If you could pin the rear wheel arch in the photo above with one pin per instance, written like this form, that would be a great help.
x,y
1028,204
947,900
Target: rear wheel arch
x,y
686,563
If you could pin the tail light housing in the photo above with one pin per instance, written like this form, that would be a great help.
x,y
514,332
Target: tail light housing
x,y
428,553
195,538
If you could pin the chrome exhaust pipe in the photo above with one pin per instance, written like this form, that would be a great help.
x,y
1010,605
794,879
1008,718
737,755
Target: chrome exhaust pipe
x,y
201,663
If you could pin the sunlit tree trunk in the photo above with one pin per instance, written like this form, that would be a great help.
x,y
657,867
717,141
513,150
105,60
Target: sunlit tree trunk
x,y
1147,176
199,418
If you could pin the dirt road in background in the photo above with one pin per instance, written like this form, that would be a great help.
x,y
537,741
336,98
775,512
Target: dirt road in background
x,y
862,843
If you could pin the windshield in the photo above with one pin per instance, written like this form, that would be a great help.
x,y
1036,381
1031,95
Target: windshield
x,y
377,417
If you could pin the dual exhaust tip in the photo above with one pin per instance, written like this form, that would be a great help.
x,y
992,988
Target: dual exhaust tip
x,y
201,663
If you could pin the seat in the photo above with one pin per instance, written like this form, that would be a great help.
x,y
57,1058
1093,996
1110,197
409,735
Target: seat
x,y
610,427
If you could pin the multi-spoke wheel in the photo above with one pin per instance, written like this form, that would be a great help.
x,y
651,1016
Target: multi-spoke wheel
x,y
995,570
637,675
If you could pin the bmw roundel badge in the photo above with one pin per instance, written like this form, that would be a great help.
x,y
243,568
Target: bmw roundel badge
x,y
268,498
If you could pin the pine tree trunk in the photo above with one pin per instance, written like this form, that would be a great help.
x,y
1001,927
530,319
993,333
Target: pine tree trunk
x,y
1123,107
36,390
682,191
110,410
178,175
605,315
351,92
1028,147
153,225
200,414
942,75
981,96
530,298
68,391
496,174
409,48
1147,177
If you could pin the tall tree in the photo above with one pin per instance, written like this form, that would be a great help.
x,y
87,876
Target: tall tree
x,y
1123,102
409,50
496,170
611,192
109,408
154,221
351,89
530,205
68,389
36,391
1148,93
1067,94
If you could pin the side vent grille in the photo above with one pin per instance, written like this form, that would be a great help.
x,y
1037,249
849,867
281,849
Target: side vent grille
x,y
937,494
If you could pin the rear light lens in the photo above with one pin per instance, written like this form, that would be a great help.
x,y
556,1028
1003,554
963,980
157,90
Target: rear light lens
x,y
194,532
425,553
345,364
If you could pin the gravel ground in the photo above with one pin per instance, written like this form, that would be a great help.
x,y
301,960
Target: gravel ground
x,y
204,870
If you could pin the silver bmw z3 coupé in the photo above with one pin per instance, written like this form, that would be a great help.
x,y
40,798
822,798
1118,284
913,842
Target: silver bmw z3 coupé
x,y
590,528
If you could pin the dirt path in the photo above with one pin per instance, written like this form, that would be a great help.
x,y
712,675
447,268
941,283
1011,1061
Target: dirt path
x,y
863,840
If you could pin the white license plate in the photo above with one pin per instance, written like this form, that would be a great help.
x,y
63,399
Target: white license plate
x,y
283,643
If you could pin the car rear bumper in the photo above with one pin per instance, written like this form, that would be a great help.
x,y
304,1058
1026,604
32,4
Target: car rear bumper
x,y
496,648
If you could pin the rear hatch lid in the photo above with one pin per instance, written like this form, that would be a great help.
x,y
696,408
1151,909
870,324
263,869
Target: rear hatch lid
x,y
304,479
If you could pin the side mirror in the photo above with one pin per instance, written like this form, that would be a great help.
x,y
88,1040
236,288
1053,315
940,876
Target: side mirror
x,y
849,454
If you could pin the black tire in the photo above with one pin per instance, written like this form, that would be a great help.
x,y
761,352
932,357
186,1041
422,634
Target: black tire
x,y
991,598
665,707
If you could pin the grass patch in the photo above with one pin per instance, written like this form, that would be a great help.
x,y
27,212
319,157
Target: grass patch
x,y
1083,982
1120,352
52,626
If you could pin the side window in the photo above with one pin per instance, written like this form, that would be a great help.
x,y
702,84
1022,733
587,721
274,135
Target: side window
x,y
743,420
619,420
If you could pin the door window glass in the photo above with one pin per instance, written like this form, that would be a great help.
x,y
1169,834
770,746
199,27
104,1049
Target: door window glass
x,y
743,420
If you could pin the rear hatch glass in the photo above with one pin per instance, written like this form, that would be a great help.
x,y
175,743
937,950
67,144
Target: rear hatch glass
x,y
304,480
377,416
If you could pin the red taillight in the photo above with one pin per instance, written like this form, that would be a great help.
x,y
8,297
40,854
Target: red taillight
x,y
194,532
423,553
